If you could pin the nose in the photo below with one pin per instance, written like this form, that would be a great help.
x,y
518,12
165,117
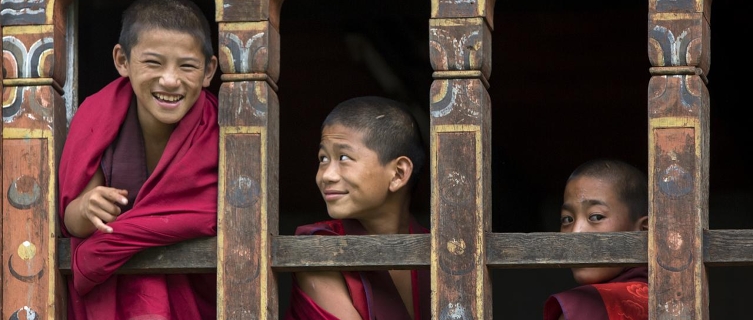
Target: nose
x,y
329,173
170,79
580,226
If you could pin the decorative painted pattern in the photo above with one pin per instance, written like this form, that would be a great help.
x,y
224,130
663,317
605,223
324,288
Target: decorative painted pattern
x,y
23,12
249,47
460,44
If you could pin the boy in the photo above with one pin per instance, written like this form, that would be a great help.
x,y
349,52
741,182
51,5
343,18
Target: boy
x,y
369,157
139,168
604,195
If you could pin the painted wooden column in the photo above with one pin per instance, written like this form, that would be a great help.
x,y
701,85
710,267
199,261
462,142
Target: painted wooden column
x,y
34,128
460,48
249,54
678,117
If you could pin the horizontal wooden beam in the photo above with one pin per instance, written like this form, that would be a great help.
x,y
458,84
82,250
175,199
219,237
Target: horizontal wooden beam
x,y
297,253
565,250
193,256
728,247
504,250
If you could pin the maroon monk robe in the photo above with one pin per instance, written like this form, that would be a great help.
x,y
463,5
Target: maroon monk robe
x,y
177,202
623,298
373,293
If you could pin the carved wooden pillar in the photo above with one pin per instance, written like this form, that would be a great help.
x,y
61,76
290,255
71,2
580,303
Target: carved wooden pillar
x,y
460,46
34,128
678,115
249,54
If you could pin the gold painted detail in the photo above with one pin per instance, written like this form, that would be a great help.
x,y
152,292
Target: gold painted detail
x,y
456,246
23,133
28,29
461,74
27,250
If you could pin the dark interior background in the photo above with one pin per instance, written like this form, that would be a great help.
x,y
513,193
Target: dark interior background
x,y
569,83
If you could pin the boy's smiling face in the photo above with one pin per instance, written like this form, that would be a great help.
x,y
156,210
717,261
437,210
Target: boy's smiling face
x,y
591,204
167,70
353,183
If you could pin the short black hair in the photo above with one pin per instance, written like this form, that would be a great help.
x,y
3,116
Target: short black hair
x,y
630,183
176,15
388,128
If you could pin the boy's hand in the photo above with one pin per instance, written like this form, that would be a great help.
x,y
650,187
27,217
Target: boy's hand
x,y
101,205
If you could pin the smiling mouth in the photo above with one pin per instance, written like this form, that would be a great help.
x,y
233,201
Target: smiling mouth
x,y
167,97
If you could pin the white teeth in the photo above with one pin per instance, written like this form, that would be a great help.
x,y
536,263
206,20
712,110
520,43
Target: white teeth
x,y
168,98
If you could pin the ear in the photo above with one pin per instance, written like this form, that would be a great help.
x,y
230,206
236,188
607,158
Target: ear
x,y
403,171
642,224
120,60
209,71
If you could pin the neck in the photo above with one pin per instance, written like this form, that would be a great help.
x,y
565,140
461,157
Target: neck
x,y
393,219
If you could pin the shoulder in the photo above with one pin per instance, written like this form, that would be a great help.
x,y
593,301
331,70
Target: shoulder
x,y
327,227
329,291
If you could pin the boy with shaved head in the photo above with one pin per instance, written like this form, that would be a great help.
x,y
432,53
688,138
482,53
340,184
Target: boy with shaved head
x,y
369,157
604,195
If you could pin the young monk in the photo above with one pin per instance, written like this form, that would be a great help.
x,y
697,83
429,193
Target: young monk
x,y
139,168
369,157
604,195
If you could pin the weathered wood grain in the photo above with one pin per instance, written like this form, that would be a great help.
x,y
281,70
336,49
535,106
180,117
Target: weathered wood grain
x,y
248,10
678,114
504,251
192,256
382,252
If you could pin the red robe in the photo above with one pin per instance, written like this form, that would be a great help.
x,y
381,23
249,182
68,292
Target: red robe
x,y
177,202
622,298
373,293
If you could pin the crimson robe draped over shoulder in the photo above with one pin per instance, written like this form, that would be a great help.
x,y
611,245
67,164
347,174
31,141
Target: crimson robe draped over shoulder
x,y
177,202
623,298
373,293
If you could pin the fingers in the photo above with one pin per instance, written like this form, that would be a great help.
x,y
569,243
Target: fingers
x,y
102,206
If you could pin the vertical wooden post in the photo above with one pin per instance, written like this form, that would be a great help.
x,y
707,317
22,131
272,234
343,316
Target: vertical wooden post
x,y
2,92
249,54
678,115
460,47
34,128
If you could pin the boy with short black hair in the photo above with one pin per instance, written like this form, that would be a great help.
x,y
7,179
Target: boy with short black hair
x,y
604,195
369,157
139,168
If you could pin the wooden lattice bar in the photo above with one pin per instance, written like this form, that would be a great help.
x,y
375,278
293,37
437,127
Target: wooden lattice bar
x,y
460,110
678,115
34,127
249,148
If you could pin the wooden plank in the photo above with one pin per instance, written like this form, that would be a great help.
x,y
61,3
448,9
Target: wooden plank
x,y
504,251
192,256
248,184
28,252
2,168
248,10
728,248
381,252
678,109
464,9
566,250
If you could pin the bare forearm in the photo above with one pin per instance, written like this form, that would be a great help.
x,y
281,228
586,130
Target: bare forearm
x,y
75,222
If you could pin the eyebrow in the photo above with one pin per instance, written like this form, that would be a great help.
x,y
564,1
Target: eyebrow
x,y
181,59
588,202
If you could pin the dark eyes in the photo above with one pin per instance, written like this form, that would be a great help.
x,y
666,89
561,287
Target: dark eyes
x,y
596,217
